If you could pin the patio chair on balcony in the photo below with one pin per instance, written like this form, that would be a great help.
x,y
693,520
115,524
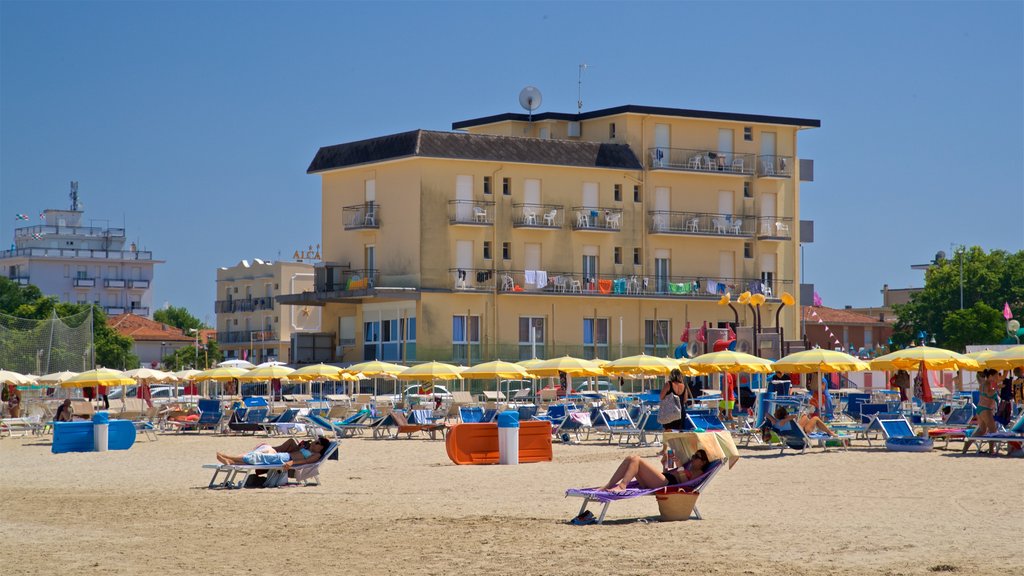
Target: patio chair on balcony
x,y
737,165
695,161
575,285
549,218
660,222
782,228
693,224
767,167
721,225
582,220
736,224
560,283
480,214
507,283
370,218
613,220
529,216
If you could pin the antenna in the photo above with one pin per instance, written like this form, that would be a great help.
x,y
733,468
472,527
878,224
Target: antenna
x,y
74,195
529,99
579,88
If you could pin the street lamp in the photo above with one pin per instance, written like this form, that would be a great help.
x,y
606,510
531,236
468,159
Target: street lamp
x,y
960,253
162,344
196,332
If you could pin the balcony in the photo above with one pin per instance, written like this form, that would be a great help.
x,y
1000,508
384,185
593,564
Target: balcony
x,y
343,279
113,283
114,310
19,280
471,212
473,279
138,284
70,253
635,285
597,219
246,336
542,216
700,224
88,231
361,216
139,310
243,305
774,166
84,282
706,161
774,228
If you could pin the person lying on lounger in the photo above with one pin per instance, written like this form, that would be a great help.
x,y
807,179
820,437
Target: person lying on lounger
x,y
649,476
809,422
305,452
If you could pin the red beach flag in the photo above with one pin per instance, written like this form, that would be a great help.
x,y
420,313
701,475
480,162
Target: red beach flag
x,y
1006,311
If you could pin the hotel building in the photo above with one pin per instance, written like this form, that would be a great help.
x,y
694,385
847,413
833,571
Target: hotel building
x,y
598,234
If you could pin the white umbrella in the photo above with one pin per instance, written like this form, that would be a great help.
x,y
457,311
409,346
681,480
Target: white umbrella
x,y
236,364
56,378
272,363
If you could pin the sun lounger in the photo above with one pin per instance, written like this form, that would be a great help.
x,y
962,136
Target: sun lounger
x,y
648,424
899,434
23,426
955,426
575,422
250,417
618,423
235,475
407,427
995,440
793,436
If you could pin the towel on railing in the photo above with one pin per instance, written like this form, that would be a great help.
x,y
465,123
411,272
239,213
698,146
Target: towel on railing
x,y
542,278
676,288
531,277
604,286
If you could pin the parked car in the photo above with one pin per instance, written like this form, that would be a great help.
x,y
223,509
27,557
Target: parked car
x,y
439,392
599,387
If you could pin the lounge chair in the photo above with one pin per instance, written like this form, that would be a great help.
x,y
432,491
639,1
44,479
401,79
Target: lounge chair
x,y
898,433
283,423
340,428
648,424
955,426
251,416
998,439
420,423
576,422
618,423
793,436
235,475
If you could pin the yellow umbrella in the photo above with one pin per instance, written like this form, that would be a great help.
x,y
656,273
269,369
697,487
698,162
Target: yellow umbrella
x,y
222,374
569,365
530,363
933,359
496,369
55,378
376,368
981,355
730,361
641,364
98,377
819,360
1007,359
186,375
430,371
318,372
267,373
8,377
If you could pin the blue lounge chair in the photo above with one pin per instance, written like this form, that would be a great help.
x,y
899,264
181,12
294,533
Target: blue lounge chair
x,y
648,424
471,414
618,423
998,439
235,475
251,417
703,419
575,422
898,433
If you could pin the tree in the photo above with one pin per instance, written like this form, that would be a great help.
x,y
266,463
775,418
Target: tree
x,y
185,357
988,279
179,318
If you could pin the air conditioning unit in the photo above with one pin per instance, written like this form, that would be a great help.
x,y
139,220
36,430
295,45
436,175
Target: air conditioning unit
x,y
574,130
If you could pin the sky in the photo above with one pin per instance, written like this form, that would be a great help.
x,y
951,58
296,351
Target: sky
x,y
192,123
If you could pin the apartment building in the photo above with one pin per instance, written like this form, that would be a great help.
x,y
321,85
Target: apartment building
x,y
597,234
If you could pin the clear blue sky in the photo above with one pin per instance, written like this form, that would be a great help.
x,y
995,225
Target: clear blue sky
x,y
194,122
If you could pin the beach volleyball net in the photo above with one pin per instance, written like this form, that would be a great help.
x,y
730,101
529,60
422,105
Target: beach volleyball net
x,y
31,346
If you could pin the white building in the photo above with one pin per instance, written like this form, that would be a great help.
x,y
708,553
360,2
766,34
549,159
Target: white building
x,y
82,264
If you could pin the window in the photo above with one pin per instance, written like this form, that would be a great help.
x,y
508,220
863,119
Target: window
x,y
487,249
768,280
506,186
661,274
636,193
487,184
617,191
869,337
531,332
748,133
611,130
618,254
748,250
466,339
656,337
80,272
389,339
595,337
590,272
747,192
506,251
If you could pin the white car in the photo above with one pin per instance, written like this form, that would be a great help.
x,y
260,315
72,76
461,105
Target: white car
x,y
598,387
440,392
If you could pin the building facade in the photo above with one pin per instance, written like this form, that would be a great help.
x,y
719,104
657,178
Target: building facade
x,y
846,330
152,341
250,324
599,234
82,264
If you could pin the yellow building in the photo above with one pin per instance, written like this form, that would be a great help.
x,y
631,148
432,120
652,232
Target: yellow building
x,y
595,234
250,324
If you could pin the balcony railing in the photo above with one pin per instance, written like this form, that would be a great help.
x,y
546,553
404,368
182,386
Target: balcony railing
x,y
480,279
91,231
774,166
246,336
73,253
361,216
480,213
114,283
550,216
694,160
140,310
532,281
596,219
700,224
342,279
774,228
114,310
20,280
84,282
243,305
138,284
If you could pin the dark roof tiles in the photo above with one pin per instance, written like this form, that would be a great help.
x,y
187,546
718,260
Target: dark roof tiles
x,y
635,109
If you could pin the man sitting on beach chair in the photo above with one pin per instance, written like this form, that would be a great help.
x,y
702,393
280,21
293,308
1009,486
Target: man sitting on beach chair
x,y
301,458
797,432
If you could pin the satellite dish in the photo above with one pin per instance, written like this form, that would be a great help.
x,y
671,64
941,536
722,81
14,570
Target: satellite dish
x,y
530,99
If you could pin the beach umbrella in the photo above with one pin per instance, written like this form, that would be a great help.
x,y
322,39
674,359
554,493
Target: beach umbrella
x,y
932,359
267,373
818,360
8,377
641,365
530,363
316,372
1007,359
186,375
98,377
376,368
568,364
496,369
271,363
149,376
56,378
981,355
729,361
222,374
236,364
430,371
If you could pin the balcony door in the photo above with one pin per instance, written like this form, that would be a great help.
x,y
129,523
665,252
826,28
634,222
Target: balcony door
x,y
531,256
725,202
531,191
662,143
370,257
590,195
662,270
725,144
768,214
768,143
463,262
464,197
727,264
768,264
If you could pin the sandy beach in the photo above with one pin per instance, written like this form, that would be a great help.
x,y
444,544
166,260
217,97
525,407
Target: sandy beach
x,y
401,507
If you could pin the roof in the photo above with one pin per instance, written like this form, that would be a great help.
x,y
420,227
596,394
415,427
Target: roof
x,y
634,109
139,328
835,316
462,146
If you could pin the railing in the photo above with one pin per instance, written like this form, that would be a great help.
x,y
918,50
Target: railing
x,y
531,282
243,305
20,280
114,310
596,219
549,216
361,216
113,283
70,231
84,282
774,166
470,212
480,279
699,223
73,253
695,160
140,310
138,284
342,279
246,336
774,228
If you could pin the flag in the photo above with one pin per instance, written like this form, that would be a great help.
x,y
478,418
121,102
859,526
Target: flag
x,y
702,335
814,313
1006,311
686,334
817,299
21,216
37,236
42,216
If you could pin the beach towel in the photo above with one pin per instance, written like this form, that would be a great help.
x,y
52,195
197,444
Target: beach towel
x,y
531,277
604,286
542,278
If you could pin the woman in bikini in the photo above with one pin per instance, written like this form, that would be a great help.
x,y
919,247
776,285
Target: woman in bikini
x,y
989,399
649,476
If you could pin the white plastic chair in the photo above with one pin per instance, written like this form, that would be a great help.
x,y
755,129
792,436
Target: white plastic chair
x,y
720,225
479,214
660,221
370,219
736,224
507,283
549,218
693,223
575,285
529,216
613,220
782,228
582,221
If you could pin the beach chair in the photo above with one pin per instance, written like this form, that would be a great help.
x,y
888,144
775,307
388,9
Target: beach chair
x,y
618,423
555,414
1013,436
407,427
526,412
284,423
703,419
575,422
793,436
83,409
955,426
471,414
648,424
235,475
22,426
899,434
251,416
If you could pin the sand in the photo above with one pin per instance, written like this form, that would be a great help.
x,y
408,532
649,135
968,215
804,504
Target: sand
x,y
401,507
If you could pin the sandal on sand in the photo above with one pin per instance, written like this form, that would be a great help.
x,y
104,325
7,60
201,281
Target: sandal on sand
x,y
587,517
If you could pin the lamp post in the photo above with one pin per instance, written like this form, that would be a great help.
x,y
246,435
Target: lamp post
x,y
196,332
161,363
960,253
